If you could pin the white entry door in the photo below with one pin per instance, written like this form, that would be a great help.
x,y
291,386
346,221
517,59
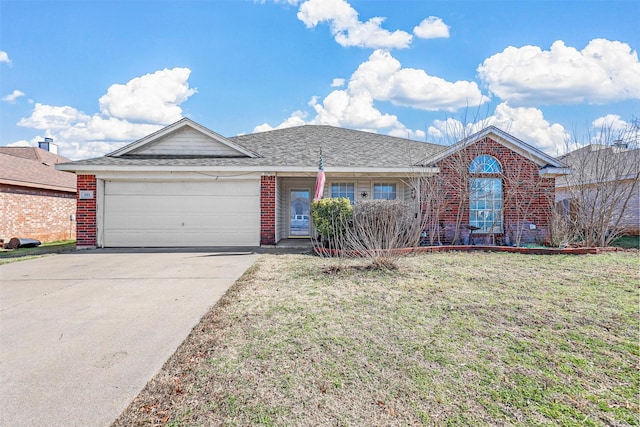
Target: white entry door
x,y
299,208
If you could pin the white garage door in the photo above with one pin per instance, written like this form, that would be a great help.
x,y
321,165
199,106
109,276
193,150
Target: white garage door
x,y
171,214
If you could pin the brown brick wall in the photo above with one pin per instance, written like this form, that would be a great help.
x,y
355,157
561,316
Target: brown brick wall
x,y
527,196
268,210
35,213
86,212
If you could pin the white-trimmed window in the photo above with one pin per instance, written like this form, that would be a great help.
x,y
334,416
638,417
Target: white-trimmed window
x,y
343,190
485,164
384,191
485,200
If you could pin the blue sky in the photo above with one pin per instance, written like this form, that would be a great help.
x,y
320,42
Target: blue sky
x,y
95,75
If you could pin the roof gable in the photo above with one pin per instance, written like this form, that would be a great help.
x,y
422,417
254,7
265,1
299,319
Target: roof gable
x,y
505,139
184,138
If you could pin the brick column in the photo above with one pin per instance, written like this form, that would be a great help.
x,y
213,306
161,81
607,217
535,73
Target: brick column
x,y
86,212
267,210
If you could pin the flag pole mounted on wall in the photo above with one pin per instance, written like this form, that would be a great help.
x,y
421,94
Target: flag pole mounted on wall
x,y
319,180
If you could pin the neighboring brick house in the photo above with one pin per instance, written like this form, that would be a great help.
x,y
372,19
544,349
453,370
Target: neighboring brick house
x,y
603,186
36,200
186,185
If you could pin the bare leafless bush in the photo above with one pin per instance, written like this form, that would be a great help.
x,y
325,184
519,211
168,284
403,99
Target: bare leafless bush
x,y
599,200
382,230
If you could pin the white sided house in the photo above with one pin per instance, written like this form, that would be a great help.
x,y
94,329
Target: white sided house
x,y
187,186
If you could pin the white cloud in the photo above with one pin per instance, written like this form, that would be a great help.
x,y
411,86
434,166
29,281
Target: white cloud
x,y
98,128
341,108
127,112
604,71
13,96
152,98
431,28
610,121
525,123
611,128
347,29
383,76
296,119
337,82
25,143
52,117
4,57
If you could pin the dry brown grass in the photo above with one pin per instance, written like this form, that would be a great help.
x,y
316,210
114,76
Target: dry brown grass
x,y
447,339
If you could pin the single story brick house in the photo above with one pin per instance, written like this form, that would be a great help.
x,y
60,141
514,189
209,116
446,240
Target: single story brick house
x,y
186,185
36,200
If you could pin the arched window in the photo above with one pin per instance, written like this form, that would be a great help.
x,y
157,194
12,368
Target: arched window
x,y
485,199
485,164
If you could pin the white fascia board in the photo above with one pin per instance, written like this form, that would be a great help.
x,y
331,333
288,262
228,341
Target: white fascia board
x,y
176,176
93,169
551,172
592,182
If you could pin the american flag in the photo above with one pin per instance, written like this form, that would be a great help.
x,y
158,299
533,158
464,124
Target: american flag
x,y
319,181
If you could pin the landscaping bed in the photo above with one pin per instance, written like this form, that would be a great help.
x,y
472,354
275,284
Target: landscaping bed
x,y
472,248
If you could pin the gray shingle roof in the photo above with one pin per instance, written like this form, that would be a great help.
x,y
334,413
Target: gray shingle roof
x,y
299,147
33,167
601,163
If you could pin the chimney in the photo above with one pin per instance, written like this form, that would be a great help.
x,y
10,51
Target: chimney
x,y
48,145
620,144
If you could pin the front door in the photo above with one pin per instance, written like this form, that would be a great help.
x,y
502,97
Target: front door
x,y
299,213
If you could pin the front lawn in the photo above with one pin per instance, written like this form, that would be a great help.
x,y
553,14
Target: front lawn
x,y
447,339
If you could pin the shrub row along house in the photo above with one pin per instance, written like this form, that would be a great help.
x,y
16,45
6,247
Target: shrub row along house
x,y
186,185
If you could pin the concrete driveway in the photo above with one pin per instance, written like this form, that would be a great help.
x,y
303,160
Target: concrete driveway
x,y
82,333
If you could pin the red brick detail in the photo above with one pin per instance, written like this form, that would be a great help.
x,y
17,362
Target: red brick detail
x,y
36,213
268,210
86,212
516,169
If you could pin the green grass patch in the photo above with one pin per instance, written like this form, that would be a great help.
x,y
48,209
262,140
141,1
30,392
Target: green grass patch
x,y
7,255
447,339
627,242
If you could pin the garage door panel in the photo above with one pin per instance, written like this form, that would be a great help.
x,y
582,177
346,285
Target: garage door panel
x,y
193,204
165,214
167,238
210,188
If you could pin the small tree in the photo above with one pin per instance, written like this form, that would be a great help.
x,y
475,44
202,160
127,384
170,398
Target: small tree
x,y
525,194
450,194
432,203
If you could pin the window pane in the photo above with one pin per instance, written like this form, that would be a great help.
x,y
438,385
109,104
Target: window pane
x,y
485,164
343,190
384,191
485,204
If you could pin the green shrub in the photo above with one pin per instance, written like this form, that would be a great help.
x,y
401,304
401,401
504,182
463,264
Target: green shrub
x,y
331,216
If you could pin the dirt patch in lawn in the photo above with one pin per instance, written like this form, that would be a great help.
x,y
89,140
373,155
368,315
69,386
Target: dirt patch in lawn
x,y
446,339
